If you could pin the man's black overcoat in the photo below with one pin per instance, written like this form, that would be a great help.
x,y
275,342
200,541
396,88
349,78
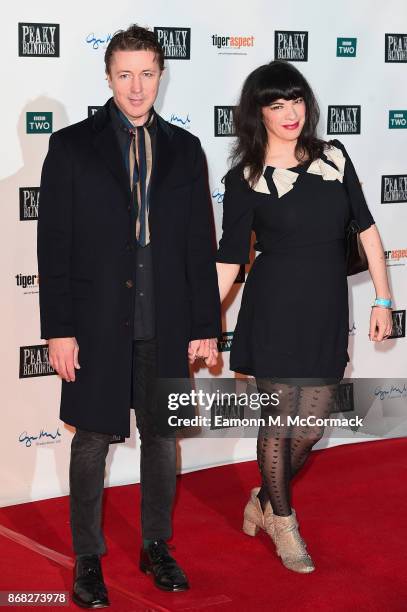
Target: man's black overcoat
x,y
86,259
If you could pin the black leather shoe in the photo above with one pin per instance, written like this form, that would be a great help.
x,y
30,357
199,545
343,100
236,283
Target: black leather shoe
x,y
167,574
89,589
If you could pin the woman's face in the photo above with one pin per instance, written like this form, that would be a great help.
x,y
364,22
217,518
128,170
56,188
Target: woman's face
x,y
284,119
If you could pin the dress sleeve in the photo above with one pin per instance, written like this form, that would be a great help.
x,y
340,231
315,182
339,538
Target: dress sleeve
x,y
234,246
358,204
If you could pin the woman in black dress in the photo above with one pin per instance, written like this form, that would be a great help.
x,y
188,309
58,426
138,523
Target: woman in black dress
x,y
297,193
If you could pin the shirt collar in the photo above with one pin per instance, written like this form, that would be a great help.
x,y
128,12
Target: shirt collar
x,y
121,122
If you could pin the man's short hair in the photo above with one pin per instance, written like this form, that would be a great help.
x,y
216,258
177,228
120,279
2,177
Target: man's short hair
x,y
135,38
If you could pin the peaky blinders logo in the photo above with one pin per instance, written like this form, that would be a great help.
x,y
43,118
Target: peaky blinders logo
x,y
176,42
399,324
344,401
346,47
38,40
395,48
291,46
29,199
343,119
394,188
223,119
397,119
225,342
34,361
39,123
117,439
92,110
226,411
241,275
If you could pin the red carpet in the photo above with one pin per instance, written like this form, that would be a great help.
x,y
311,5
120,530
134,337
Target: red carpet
x,y
351,503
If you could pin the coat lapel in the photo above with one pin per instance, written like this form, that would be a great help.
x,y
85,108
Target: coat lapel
x,y
164,156
107,147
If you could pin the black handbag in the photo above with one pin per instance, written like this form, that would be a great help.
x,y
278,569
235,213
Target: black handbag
x,y
356,260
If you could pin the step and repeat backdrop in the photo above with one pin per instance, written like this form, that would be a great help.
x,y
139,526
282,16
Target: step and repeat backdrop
x,y
355,58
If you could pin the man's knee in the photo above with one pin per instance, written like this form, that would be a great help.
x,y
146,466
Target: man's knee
x,y
90,442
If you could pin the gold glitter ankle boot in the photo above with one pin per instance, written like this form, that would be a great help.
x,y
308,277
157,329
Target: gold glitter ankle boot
x,y
254,518
289,544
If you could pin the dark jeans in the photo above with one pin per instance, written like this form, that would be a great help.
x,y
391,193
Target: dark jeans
x,y
157,466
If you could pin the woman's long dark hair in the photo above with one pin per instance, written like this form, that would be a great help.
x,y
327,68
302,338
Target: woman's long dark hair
x,y
263,86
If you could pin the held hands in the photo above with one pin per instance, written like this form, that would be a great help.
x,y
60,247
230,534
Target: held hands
x,y
63,357
381,324
205,349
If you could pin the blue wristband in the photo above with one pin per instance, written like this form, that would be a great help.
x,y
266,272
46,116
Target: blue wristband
x,y
382,302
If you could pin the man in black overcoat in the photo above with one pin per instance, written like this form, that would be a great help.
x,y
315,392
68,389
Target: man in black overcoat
x,y
128,293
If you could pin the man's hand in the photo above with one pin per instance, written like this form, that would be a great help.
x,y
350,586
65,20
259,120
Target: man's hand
x,y
63,357
206,349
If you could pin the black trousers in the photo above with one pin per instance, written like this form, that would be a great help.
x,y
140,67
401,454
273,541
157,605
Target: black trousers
x,y
157,466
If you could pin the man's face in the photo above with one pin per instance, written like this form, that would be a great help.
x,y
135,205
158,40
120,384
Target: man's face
x,y
134,78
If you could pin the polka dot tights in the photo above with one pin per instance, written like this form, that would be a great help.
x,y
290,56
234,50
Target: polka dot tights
x,y
283,446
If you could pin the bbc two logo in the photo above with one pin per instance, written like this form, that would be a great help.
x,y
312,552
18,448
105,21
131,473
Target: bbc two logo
x,y
346,47
39,123
225,342
397,119
38,40
176,42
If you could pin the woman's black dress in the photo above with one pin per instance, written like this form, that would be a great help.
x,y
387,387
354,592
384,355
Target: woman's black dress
x,y
293,320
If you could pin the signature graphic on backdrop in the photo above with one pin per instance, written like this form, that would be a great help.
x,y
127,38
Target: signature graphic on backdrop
x,y
218,195
184,121
392,392
97,42
27,440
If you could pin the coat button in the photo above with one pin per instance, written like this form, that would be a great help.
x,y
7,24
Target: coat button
x,y
127,323
129,247
129,284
